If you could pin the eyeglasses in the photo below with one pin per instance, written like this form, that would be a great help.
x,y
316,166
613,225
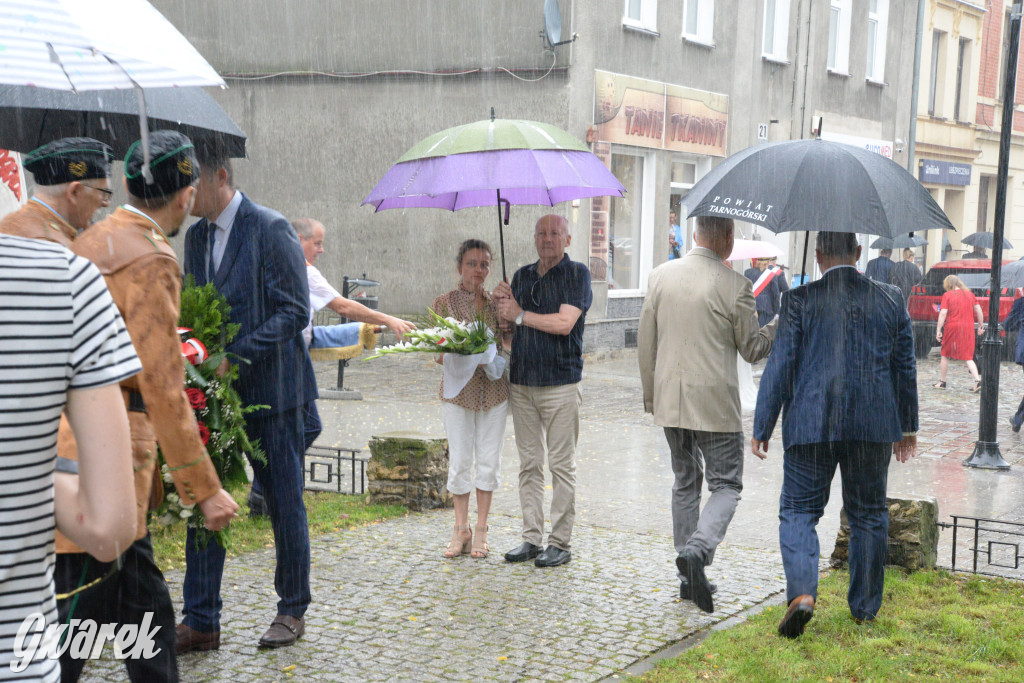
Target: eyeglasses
x,y
107,194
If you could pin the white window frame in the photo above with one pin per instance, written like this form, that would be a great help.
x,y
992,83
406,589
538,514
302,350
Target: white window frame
x,y
841,59
881,21
779,32
705,29
702,166
648,197
648,20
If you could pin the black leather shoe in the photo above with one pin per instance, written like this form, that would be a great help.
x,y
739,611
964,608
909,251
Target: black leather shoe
x,y
527,551
686,594
691,568
257,505
799,613
552,557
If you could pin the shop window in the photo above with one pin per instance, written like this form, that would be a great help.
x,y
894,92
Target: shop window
x,y
839,37
878,20
629,253
963,76
642,14
776,30
938,68
698,21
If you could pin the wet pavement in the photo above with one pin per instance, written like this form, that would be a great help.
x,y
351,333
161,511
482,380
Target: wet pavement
x,y
387,606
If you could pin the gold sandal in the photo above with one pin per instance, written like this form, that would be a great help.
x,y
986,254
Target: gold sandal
x,y
460,543
480,547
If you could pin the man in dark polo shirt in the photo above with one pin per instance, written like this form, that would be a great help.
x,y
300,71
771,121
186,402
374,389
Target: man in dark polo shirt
x,y
547,304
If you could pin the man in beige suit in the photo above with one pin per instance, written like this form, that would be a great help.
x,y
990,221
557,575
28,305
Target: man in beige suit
x,y
697,315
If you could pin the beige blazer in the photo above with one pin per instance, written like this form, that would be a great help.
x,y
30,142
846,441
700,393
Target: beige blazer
x,y
697,315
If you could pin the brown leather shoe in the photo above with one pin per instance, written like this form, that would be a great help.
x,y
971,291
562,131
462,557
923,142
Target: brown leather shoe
x,y
190,640
284,630
799,613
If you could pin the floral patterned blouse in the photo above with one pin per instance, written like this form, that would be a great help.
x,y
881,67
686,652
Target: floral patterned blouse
x,y
480,393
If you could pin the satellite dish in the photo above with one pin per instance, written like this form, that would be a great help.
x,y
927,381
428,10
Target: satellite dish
x,y
552,22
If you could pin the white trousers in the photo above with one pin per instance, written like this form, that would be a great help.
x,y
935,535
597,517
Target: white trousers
x,y
474,435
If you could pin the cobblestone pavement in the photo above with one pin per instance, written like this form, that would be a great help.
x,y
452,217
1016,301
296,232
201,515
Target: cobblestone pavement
x,y
388,607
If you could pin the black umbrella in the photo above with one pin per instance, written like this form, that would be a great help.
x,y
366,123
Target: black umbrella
x,y
30,117
902,242
985,240
816,185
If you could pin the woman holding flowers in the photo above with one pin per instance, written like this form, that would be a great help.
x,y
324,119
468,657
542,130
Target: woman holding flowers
x,y
474,420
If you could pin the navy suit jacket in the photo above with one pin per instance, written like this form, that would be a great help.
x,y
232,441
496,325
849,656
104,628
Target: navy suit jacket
x,y
843,367
263,277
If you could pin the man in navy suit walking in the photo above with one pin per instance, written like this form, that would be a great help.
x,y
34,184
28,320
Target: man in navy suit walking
x,y
253,257
843,372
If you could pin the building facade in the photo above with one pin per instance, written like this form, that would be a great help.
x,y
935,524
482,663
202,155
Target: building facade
x,y
331,94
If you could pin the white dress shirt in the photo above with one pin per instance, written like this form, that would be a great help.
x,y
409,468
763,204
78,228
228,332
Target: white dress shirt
x,y
224,222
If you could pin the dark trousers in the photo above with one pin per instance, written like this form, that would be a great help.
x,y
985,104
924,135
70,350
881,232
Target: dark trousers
x,y
281,480
311,428
1018,418
123,598
807,476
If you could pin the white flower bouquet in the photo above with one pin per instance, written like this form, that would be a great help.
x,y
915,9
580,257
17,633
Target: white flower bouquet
x,y
448,335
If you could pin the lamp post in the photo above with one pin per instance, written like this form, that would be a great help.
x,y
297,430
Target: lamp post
x,y
986,453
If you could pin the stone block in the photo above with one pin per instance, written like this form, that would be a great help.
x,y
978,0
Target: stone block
x,y
408,468
913,534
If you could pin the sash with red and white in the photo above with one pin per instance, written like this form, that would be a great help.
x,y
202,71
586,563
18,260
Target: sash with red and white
x,y
766,277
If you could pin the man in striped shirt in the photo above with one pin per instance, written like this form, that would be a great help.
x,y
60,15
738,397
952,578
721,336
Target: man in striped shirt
x,y
62,342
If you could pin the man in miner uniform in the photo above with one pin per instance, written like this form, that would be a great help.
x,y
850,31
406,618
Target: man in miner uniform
x,y
131,250
72,182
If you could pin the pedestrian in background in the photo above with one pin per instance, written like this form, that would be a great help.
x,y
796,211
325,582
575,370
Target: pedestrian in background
x,y
1013,323
844,377
547,304
880,267
474,416
905,275
697,316
765,288
955,330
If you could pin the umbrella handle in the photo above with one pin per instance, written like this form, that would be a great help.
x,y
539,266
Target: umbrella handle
x,y
508,208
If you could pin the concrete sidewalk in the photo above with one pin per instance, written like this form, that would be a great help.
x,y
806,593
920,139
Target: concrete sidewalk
x,y
387,606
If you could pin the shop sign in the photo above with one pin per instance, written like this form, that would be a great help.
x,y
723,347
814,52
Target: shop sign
x,y
643,113
883,147
943,172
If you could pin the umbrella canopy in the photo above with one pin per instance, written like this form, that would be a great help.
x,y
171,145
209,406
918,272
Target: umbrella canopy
x,y
985,240
816,185
744,249
901,242
494,162
1013,274
95,45
30,117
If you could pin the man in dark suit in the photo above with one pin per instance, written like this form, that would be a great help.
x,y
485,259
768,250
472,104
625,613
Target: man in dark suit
x,y
843,372
879,268
253,257
905,275
765,281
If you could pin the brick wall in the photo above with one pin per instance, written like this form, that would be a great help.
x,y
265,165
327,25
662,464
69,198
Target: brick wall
x,y
988,116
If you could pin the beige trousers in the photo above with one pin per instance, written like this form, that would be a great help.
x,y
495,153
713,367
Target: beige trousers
x,y
547,422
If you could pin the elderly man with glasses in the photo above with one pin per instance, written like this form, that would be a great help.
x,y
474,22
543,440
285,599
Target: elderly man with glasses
x,y
72,183
547,302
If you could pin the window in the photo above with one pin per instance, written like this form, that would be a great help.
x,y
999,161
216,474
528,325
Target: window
x,y
963,72
776,30
698,21
683,177
625,223
878,19
642,14
839,37
935,82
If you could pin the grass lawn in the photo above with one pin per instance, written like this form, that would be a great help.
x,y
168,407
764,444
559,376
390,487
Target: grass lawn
x,y
933,626
326,512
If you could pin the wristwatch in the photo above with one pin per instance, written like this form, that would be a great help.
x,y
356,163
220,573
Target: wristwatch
x,y
519,318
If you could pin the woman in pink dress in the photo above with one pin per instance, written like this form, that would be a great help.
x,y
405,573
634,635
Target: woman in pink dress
x,y
956,328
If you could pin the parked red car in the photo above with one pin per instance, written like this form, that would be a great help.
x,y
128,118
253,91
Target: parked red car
x,y
926,297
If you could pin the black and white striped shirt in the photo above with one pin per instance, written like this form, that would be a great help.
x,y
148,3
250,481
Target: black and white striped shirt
x,y
59,330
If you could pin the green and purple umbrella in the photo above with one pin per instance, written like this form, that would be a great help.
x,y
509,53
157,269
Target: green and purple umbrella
x,y
494,162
